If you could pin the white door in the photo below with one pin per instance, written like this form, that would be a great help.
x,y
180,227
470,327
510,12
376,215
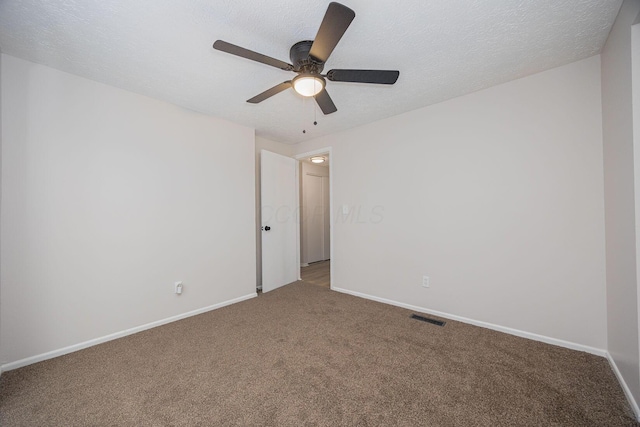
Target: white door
x,y
279,220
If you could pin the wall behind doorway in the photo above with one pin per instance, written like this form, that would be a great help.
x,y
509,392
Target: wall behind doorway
x,y
309,173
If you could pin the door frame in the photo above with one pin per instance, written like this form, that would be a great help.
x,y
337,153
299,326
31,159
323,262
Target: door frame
x,y
299,157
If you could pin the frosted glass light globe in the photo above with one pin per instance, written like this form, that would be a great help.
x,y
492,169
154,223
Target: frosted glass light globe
x,y
308,85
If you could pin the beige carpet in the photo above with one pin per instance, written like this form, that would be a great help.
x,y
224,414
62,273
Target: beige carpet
x,y
305,355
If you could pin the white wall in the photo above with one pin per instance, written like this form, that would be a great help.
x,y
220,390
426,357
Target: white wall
x,y
496,195
622,296
635,42
1,341
275,147
108,198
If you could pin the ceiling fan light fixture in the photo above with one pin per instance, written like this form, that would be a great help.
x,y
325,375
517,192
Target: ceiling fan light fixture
x,y
308,84
318,159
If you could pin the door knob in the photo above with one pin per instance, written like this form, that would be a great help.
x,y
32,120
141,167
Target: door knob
x,y
267,228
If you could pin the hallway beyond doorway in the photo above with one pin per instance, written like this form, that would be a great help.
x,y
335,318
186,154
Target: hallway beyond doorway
x,y
317,273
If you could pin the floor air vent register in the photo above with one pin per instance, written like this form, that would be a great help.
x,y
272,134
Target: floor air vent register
x,y
428,320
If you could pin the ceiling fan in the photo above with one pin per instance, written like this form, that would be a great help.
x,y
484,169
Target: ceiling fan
x,y
308,58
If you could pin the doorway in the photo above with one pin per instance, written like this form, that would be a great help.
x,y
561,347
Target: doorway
x,y
315,218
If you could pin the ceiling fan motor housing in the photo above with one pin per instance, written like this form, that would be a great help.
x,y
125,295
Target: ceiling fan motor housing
x,y
302,62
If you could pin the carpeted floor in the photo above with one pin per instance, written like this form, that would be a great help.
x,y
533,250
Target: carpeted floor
x,y
304,355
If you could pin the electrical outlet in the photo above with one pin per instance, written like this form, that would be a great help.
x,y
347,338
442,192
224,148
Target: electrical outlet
x,y
425,281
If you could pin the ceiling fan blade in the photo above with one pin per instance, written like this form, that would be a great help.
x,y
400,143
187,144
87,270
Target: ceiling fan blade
x,y
325,103
249,54
335,22
384,77
270,92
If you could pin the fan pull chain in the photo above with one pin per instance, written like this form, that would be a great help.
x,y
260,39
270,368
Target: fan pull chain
x,y
315,112
303,102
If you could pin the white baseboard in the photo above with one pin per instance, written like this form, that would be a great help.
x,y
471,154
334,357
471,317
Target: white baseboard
x,y
625,387
116,335
304,264
516,332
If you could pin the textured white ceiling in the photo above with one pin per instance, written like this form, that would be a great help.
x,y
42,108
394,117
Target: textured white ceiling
x,y
443,49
